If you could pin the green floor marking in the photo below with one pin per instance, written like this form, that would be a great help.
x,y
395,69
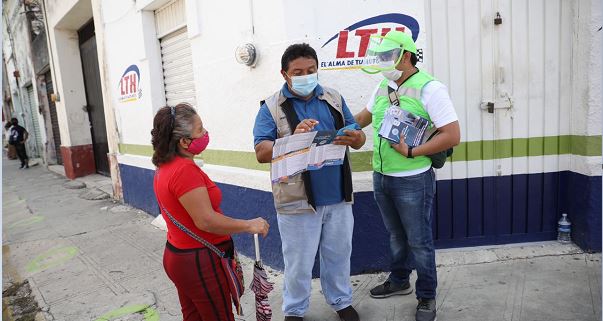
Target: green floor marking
x,y
27,221
149,313
52,258
12,202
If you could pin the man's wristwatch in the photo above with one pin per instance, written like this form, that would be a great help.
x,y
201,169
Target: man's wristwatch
x,y
409,152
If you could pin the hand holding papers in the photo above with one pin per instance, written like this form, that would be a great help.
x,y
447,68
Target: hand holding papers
x,y
353,126
398,122
294,154
350,136
290,155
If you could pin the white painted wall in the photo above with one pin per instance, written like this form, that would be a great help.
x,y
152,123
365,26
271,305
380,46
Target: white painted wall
x,y
65,17
9,61
130,39
593,20
17,51
226,88
217,74
17,25
228,93
125,45
586,85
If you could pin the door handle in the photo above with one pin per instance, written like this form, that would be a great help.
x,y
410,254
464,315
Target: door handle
x,y
504,103
487,105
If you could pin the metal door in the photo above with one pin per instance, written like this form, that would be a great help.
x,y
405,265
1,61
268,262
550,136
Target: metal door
x,y
176,54
178,76
531,95
94,97
505,76
33,143
54,120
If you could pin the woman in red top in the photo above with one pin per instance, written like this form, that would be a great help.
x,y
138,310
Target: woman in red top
x,y
193,199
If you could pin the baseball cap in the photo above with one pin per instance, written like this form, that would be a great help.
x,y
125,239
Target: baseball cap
x,y
395,39
385,52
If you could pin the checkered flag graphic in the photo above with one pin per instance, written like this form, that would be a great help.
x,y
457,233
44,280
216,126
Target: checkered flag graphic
x,y
420,55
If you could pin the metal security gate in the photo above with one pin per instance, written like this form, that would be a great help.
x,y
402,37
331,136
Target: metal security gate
x,y
54,120
34,142
503,62
176,56
94,97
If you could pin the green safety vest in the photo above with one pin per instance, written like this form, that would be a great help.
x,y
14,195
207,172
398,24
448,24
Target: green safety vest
x,y
385,158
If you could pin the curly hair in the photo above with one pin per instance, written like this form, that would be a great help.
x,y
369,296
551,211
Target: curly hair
x,y
168,129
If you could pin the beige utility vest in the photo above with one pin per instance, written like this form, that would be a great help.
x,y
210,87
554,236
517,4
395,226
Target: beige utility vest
x,y
292,197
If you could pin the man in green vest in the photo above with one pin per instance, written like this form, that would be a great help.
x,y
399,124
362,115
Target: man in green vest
x,y
403,179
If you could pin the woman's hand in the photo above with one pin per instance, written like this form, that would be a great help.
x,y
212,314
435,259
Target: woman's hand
x,y
258,225
198,205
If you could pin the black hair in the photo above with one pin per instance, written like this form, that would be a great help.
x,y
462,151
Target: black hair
x,y
169,126
14,120
296,51
413,58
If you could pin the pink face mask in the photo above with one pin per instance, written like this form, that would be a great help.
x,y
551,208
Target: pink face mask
x,y
198,145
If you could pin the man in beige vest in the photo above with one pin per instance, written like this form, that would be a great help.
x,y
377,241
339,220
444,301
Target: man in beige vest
x,y
314,209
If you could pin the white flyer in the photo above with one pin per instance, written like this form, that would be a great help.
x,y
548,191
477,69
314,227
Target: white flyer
x,y
294,154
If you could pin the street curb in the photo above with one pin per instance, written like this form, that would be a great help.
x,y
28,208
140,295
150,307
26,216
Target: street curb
x,y
502,253
90,184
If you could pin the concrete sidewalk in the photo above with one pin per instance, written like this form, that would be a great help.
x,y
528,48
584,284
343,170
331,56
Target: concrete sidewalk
x,y
90,259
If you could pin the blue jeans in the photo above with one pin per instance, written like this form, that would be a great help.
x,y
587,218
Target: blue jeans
x,y
330,229
405,204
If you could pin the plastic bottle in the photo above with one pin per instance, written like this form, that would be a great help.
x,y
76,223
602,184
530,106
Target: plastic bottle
x,y
564,229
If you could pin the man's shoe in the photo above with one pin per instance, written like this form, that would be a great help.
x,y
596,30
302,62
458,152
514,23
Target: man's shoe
x,y
426,310
27,166
348,314
291,318
388,289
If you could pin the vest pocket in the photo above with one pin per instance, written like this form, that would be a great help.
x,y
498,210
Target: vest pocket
x,y
290,197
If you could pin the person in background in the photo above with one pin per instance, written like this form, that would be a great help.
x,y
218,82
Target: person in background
x,y
192,198
314,209
403,179
18,137
11,151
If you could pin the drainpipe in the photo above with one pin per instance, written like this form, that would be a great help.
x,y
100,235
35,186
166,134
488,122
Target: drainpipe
x,y
112,131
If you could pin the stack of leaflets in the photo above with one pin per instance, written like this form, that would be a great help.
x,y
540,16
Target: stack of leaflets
x,y
297,153
397,121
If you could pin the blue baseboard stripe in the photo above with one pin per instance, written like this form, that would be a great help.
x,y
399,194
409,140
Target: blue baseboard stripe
x,y
467,212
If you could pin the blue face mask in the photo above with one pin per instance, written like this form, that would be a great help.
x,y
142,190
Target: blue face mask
x,y
304,85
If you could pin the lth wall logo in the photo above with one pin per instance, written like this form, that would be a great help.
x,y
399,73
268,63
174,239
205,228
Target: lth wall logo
x,y
353,41
129,85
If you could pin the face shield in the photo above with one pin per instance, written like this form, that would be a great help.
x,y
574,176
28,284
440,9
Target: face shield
x,y
382,55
